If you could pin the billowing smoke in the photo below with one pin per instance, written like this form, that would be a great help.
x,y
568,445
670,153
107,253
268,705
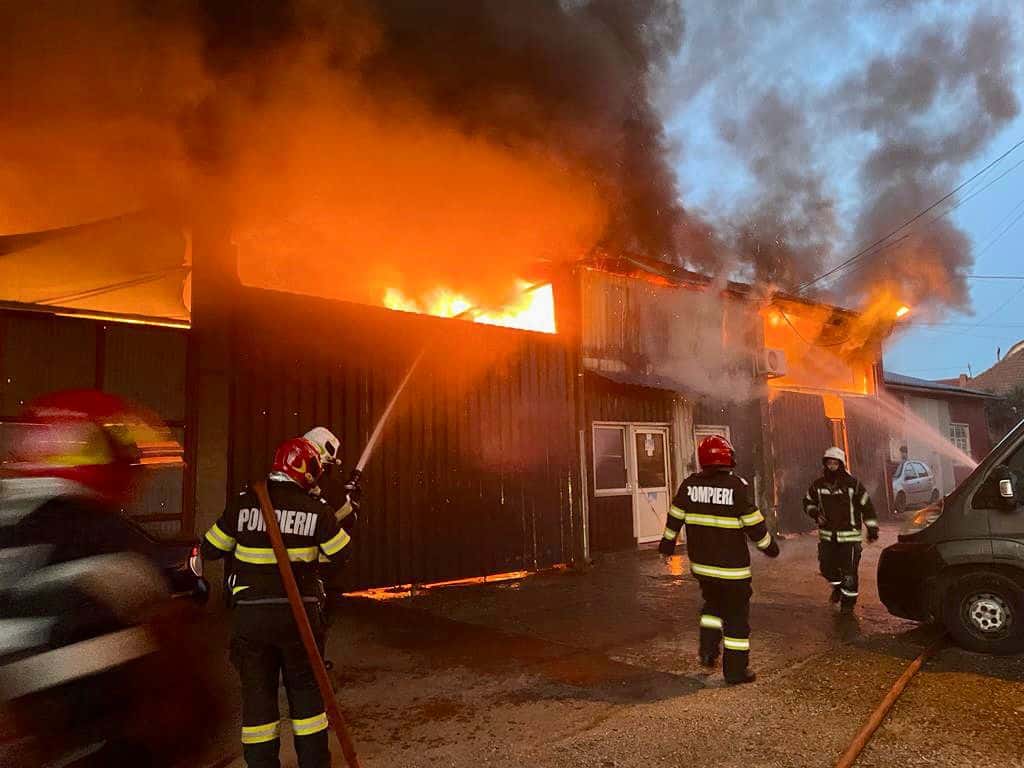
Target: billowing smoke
x,y
916,160
364,144
378,137
786,233
841,122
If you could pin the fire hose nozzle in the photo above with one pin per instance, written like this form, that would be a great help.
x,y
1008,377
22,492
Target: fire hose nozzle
x,y
353,479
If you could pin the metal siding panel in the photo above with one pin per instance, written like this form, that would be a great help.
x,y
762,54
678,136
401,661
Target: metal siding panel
x,y
42,353
472,432
800,434
147,365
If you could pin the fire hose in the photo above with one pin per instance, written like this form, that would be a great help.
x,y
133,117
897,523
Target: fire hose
x,y
849,757
334,716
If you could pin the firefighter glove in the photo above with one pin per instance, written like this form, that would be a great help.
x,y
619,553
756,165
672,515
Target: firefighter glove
x,y
872,533
667,546
773,548
354,496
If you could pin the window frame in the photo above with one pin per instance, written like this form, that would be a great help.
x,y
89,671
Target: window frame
x,y
953,438
623,429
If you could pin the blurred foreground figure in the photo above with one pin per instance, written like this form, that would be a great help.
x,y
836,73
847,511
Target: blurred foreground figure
x,y
97,663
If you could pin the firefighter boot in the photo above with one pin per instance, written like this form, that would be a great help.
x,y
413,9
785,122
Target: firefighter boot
x,y
836,595
747,677
708,660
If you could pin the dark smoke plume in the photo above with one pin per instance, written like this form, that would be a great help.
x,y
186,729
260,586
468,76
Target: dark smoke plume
x,y
916,161
323,118
839,148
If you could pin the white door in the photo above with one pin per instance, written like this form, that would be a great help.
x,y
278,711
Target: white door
x,y
651,494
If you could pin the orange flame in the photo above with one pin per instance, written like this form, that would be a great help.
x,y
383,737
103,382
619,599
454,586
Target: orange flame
x,y
533,310
828,350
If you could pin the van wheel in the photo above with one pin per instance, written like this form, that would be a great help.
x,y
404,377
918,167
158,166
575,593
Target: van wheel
x,y
984,612
935,495
901,502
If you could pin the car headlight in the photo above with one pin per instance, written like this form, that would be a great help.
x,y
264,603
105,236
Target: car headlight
x,y
195,562
923,518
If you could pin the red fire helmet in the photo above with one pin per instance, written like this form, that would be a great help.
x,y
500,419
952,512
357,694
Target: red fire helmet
x,y
91,439
716,451
299,459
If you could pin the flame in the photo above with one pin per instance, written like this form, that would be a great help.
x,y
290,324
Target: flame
x,y
831,350
533,309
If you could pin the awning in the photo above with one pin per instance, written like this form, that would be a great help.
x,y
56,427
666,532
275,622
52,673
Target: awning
x,y
135,265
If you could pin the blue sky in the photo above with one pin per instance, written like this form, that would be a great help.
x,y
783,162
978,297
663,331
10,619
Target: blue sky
x,y
943,351
803,49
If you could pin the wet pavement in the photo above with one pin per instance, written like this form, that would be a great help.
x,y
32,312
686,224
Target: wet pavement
x,y
597,667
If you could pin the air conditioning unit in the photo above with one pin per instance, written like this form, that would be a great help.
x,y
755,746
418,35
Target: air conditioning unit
x,y
771,363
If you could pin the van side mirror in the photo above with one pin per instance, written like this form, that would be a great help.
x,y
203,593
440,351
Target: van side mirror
x,y
1005,485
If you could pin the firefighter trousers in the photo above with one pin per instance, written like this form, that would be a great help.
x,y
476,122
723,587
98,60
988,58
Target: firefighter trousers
x,y
266,648
839,563
725,620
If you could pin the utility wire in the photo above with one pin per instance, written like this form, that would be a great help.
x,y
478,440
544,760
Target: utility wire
x,y
996,233
865,251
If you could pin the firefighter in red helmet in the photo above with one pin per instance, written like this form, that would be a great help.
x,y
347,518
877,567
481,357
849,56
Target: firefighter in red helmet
x,y
716,506
265,644
83,598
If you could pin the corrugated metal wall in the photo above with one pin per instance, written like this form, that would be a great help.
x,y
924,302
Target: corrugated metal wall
x,y
799,433
477,472
869,446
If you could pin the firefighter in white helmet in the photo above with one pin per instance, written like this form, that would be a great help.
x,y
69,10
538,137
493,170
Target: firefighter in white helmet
x,y
840,505
345,498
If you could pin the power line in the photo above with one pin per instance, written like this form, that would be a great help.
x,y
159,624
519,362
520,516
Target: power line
x,y
997,234
1001,234
994,277
865,251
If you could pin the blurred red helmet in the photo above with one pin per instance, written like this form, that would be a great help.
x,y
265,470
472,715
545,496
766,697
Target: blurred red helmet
x,y
299,460
716,451
91,439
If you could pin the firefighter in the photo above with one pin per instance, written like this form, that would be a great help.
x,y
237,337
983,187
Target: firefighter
x,y
92,649
716,506
344,496
265,643
839,504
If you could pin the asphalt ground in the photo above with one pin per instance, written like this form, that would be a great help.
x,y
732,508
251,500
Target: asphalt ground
x,y
597,667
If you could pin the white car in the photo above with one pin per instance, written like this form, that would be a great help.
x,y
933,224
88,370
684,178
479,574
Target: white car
x,y
913,485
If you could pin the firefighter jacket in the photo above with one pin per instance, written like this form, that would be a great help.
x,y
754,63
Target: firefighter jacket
x,y
716,507
840,505
310,531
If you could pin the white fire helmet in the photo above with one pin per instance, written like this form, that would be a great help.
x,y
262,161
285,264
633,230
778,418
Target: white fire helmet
x,y
326,442
834,453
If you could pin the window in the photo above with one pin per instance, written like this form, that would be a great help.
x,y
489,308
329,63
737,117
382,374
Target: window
x,y
610,459
960,436
650,460
909,471
922,470
986,497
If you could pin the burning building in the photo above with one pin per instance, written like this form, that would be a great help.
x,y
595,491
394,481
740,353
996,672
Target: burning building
x,y
554,426
329,164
